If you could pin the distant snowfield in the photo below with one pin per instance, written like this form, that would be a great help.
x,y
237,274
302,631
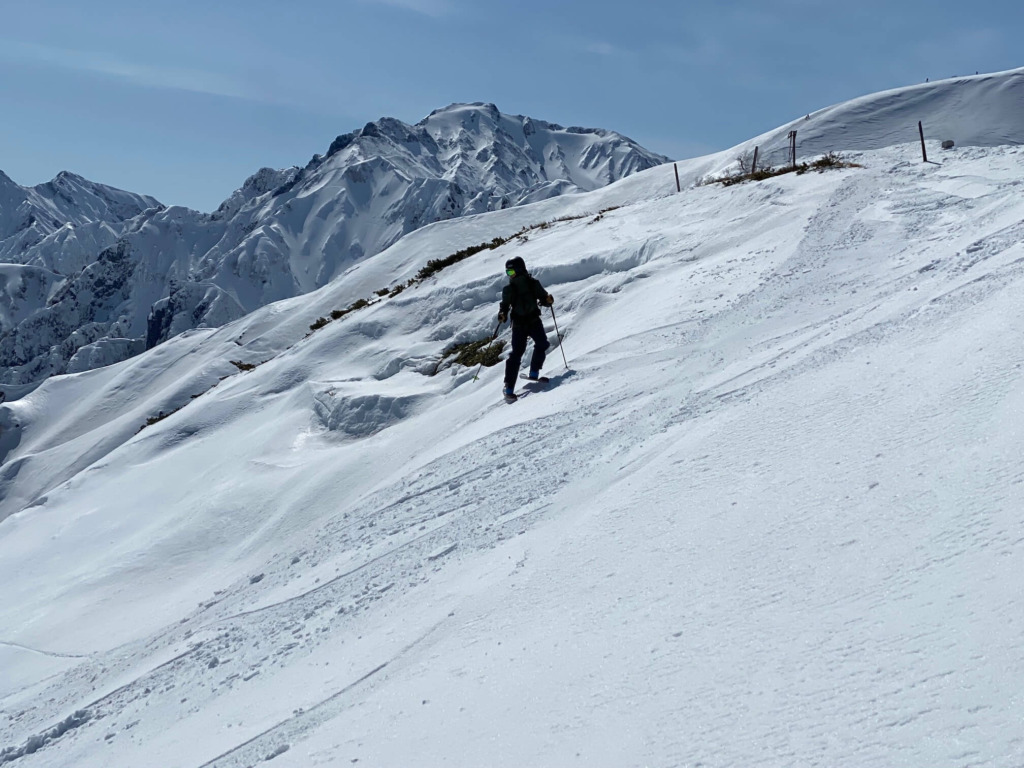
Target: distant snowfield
x,y
770,517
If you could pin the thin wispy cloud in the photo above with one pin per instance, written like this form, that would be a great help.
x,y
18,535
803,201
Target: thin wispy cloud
x,y
601,48
592,46
147,75
425,7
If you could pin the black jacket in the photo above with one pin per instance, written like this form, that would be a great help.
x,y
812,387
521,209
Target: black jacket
x,y
522,295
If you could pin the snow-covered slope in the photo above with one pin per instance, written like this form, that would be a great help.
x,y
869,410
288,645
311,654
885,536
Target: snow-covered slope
x,y
769,517
283,233
975,111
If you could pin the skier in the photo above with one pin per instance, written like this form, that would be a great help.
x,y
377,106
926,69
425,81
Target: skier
x,y
522,296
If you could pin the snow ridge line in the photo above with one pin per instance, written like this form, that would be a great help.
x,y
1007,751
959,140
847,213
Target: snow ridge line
x,y
320,587
274,728
257,749
50,654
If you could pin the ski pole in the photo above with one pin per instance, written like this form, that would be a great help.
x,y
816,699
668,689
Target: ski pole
x,y
493,337
559,335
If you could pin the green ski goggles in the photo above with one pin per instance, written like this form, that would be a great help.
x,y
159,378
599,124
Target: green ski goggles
x,y
510,272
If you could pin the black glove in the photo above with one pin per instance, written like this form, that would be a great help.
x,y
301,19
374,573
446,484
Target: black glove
x,y
549,300
502,317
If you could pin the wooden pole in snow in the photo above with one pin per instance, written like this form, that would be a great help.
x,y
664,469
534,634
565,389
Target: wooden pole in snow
x,y
924,152
678,188
753,165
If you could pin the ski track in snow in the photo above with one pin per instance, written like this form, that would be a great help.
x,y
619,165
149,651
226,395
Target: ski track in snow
x,y
780,636
19,647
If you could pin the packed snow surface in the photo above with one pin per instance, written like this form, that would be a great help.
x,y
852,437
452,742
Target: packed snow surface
x,y
767,515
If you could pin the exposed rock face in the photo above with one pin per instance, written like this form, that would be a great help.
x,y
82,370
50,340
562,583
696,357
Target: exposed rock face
x,y
190,306
92,305
95,275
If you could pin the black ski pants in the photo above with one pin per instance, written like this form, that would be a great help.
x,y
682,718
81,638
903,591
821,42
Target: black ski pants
x,y
522,330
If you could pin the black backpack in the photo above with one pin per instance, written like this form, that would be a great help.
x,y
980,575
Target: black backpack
x,y
522,294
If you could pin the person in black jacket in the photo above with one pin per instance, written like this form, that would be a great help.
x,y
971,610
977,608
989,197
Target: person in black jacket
x,y
521,300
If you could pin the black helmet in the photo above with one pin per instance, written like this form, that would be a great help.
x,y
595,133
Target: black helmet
x,y
516,264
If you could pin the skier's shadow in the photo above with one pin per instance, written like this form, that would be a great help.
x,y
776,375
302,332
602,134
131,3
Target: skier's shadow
x,y
553,381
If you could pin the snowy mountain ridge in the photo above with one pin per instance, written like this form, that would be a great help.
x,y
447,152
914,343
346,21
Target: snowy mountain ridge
x,y
130,284
769,517
29,214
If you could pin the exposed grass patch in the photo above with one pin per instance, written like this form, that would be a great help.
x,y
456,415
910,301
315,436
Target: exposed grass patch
x,y
483,352
486,352
832,160
160,417
436,265
337,314
828,161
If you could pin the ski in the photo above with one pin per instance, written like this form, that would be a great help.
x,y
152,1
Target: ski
x,y
539,380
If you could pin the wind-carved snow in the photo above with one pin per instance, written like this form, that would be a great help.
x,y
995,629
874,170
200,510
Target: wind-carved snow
x,y
359,411
283,233
771,516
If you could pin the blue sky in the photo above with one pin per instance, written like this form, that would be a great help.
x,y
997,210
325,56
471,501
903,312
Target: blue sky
x,y
183,100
